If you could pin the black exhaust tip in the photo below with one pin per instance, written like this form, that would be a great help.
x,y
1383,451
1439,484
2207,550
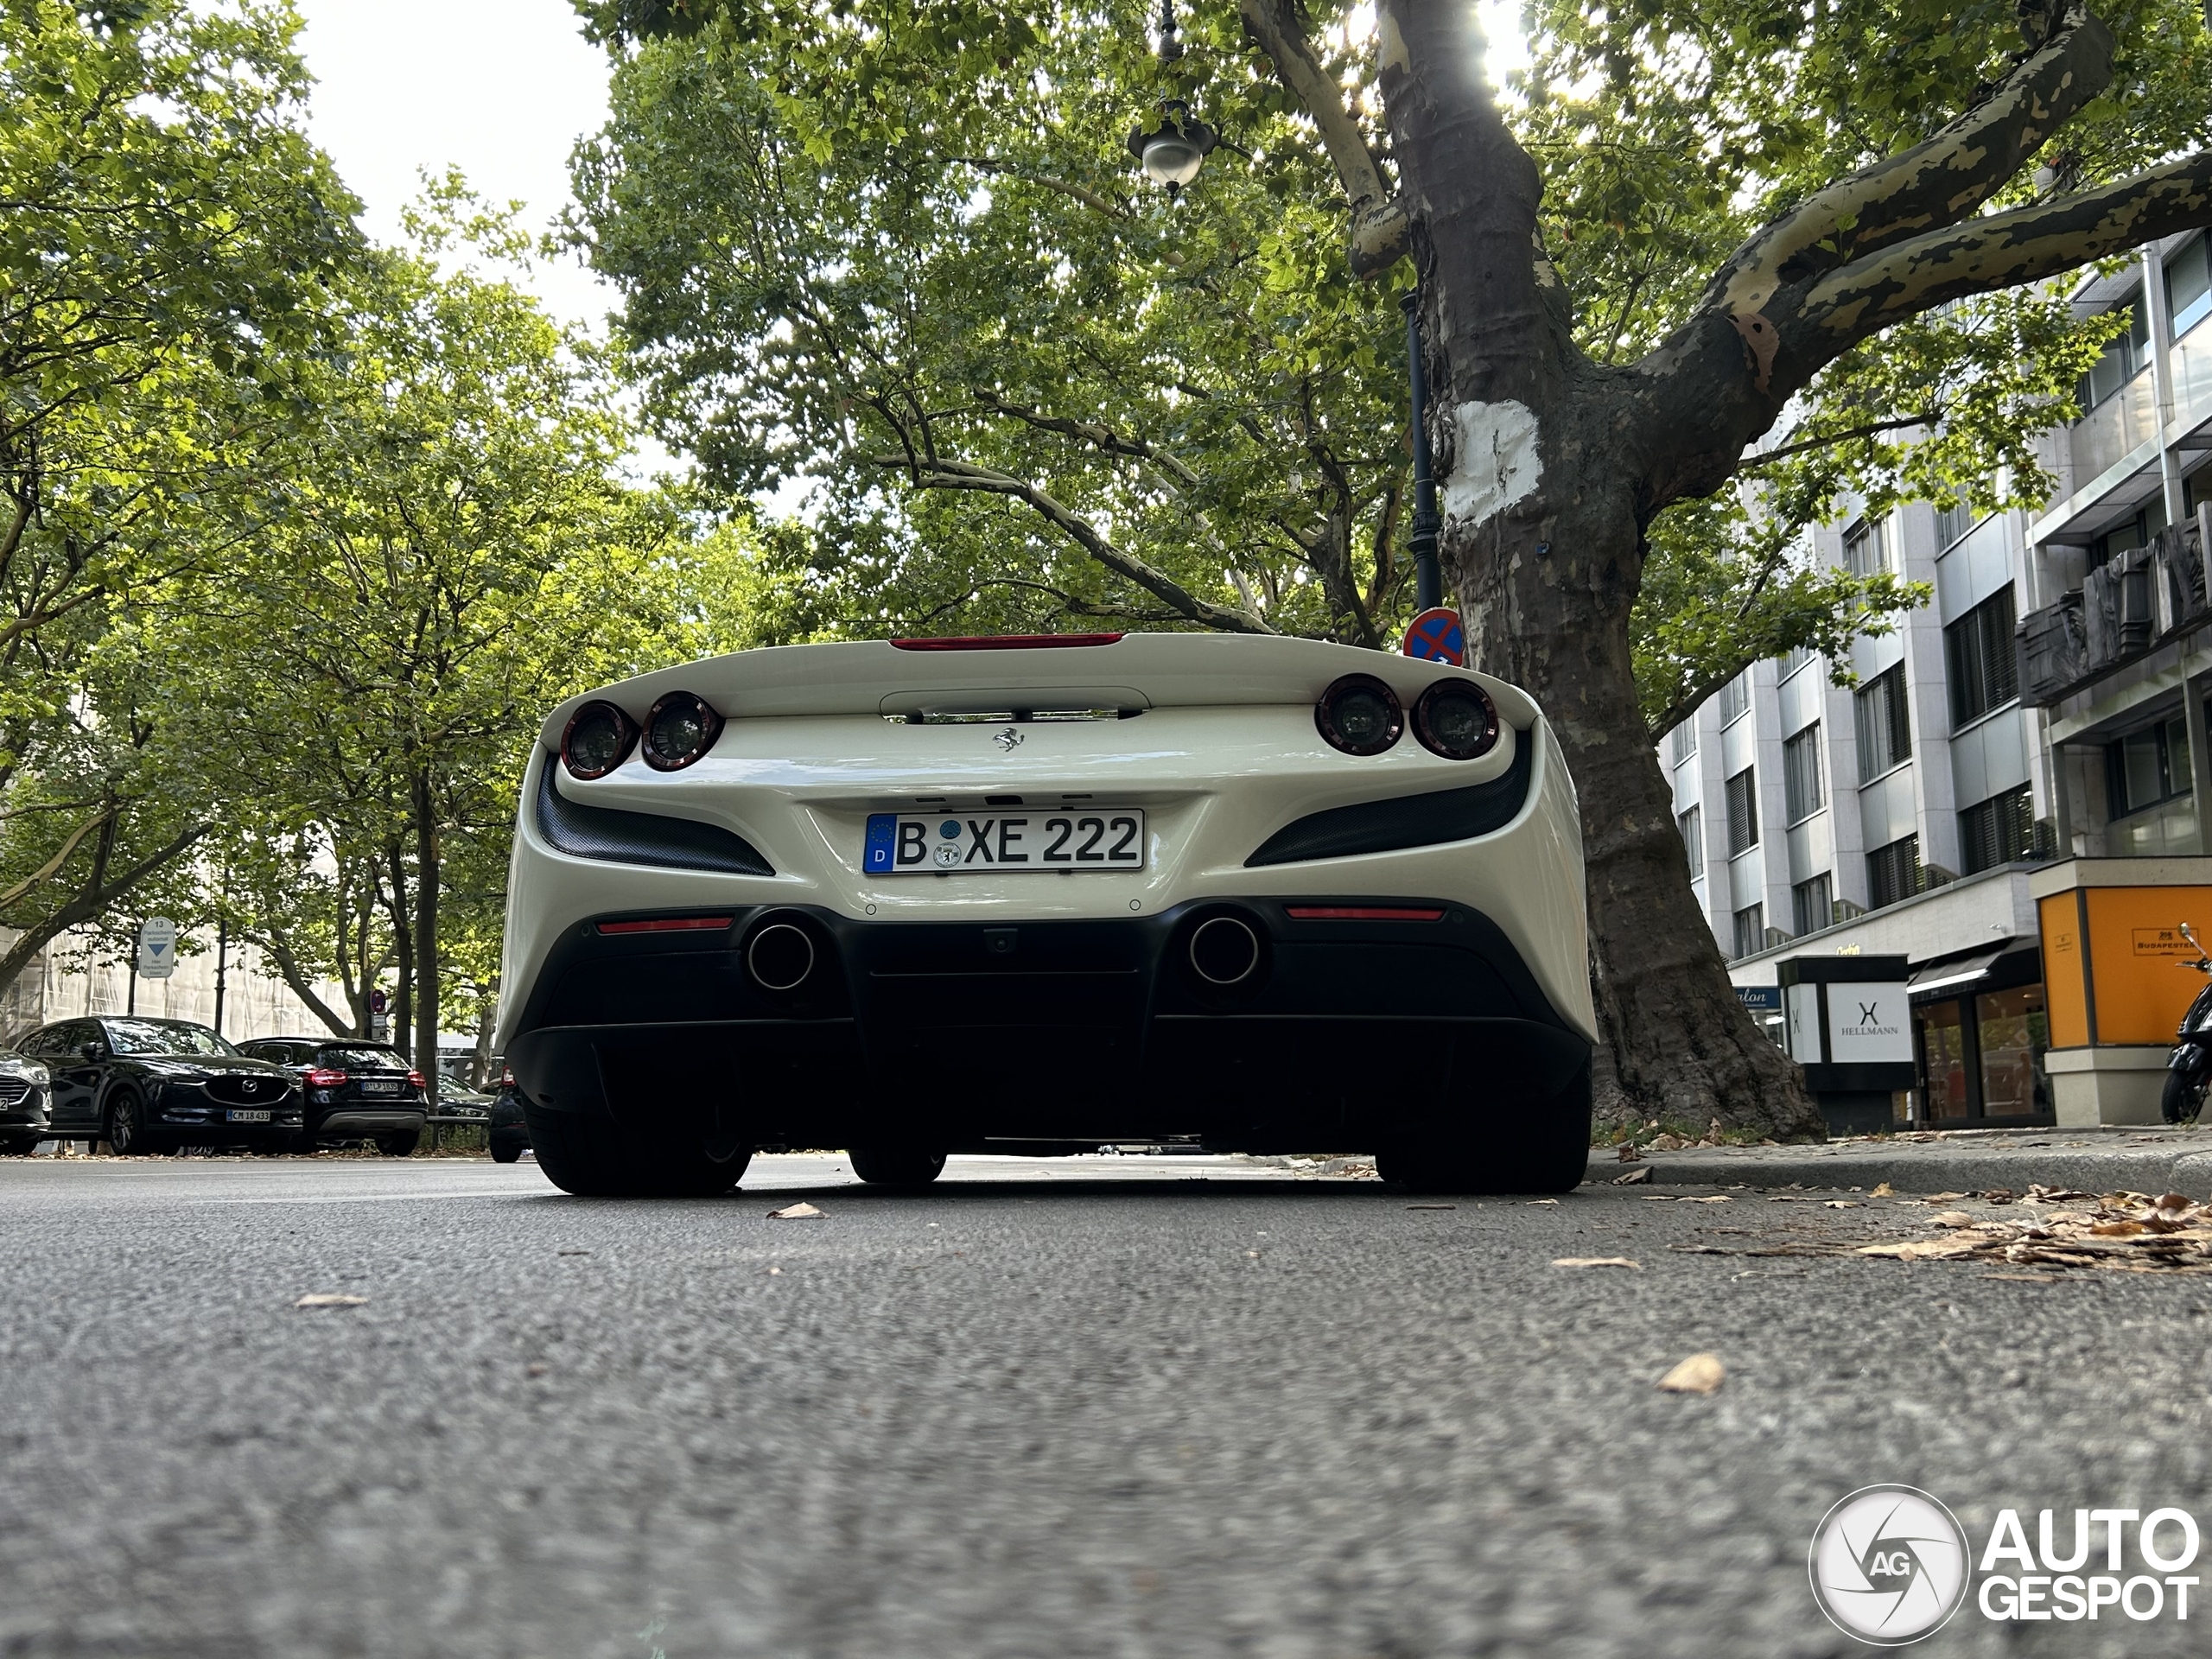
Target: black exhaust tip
x,y
780,956
1225,951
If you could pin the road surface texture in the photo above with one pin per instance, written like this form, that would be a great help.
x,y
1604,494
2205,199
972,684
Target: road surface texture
x,y
1125,1407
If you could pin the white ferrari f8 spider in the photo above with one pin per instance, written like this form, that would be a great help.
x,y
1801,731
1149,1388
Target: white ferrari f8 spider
x,y
1045,892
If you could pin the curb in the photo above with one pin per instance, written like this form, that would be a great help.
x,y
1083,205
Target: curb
x,y
2179,1162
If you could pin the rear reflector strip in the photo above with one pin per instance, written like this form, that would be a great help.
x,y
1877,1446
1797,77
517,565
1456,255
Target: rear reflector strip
x,y
1007,642
1360,913
670,925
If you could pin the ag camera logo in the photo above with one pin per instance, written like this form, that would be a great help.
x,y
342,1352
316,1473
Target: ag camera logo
x,y
1890,1565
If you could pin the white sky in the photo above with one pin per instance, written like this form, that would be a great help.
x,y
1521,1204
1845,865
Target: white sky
x,y
500,88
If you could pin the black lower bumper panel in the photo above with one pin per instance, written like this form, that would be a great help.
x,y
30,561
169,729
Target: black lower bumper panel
x,y
1235,1020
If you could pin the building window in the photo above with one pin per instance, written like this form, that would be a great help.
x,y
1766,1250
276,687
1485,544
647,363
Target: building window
x,y
2000,831
1736,696
1691,824
1801,774
1812,905
2148,767
1953,520
2188,286
1893,872
2125,536
1867,549
1682,741
1884,727
2123,360
1743,813
1797,657
1978,652
1751,931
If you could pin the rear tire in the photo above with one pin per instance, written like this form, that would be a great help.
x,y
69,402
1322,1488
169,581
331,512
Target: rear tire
x,y
896,1166
1544,1148
398,1146
2181,1097
589,1154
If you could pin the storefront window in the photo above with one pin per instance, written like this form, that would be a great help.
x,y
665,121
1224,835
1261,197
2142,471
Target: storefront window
x,y
1943,1059
2015,1033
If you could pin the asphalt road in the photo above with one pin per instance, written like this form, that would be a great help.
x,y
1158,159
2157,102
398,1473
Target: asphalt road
x,y
1106,1408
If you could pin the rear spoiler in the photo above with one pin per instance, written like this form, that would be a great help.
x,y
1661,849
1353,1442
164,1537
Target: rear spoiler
x,y
1123,671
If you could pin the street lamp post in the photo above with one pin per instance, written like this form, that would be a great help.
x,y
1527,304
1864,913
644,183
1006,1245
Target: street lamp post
x,y
1172,149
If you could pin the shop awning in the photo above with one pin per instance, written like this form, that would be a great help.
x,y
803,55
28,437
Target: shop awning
x,y
1957,972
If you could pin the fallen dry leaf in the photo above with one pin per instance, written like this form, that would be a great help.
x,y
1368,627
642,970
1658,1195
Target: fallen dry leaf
x,y
1955,1219
800,1211
1698,1374
1543,1200
1634,1178
1945,1197
1843,1203
2042,1194
1596,1262
775,1272
1883,1192
1999,1195
1718,1198
1629,1154
330,1298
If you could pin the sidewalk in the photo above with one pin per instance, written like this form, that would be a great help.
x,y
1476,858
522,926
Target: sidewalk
x,y
2152,1160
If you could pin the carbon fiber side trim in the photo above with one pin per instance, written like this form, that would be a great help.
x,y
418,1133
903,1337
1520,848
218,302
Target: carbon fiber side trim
x,y
1406,820
650,838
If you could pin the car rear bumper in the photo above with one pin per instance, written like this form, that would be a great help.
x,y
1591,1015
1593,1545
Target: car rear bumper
x,y
349,1122
1357,1013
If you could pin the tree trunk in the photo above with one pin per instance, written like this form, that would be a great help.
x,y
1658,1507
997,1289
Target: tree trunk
x,y
402,946
1536,456
427,855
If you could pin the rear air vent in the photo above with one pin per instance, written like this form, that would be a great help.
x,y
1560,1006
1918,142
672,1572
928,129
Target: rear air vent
x,y
1403,821
617,836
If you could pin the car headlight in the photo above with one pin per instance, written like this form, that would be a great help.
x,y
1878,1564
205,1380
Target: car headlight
x,y
679,729
37,1076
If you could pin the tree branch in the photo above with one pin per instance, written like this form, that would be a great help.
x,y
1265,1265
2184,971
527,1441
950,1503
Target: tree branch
x,y
1871,429
289,965
1380,233
45,872
1932,184
959,475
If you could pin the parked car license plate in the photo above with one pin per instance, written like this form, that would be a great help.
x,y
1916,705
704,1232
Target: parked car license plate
x,y
379,1085
1087,838
246,1117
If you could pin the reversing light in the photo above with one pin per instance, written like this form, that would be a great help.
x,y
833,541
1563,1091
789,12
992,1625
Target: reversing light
x,y
598,738
1360,716
679,729
1456,720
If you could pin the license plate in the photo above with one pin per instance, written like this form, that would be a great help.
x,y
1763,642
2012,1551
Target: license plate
x,y
1000,843
379,1085
246,1117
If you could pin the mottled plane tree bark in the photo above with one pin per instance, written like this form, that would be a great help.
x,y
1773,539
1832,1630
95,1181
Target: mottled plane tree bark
x,y
1554,465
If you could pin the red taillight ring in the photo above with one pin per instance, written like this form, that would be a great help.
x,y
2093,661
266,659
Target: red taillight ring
x,y
584,722
1344,715
324,1077
1463,743
708,726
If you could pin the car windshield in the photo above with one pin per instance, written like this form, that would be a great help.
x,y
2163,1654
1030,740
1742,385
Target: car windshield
x,y
361,1060
163,1037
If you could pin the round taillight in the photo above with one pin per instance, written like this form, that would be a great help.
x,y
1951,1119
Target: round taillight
x,y
679,728
1360,716
598,740
1456,720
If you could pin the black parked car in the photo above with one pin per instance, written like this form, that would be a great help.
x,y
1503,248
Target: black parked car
x,y
23,1086
356,1091
510,1136
153,1085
